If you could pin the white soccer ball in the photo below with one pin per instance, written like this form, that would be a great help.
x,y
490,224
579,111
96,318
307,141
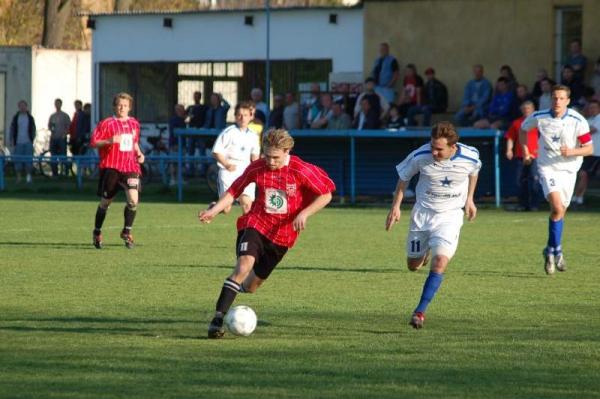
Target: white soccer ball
x,y
241,320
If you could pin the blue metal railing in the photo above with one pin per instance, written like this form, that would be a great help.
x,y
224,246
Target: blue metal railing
x,y
352,135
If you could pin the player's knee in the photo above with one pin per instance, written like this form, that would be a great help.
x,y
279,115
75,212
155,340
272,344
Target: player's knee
x,y
414,264
132,206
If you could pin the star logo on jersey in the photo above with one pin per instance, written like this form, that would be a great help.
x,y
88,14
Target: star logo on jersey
x,y
555,139
446,182
242,149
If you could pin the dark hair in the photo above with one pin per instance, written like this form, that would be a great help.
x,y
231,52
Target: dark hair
x,y
445,130
244,105
568,67
369,79
502,79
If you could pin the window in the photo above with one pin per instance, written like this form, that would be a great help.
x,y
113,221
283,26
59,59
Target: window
x,y
568,22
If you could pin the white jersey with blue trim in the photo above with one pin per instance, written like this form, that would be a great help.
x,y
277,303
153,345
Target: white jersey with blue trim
x,y
237,146
554,133
443,185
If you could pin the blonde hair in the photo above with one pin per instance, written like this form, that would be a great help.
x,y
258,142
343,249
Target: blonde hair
x,y
122,96
278,139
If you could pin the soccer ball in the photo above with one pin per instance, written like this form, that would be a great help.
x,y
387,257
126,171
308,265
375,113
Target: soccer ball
x,y
240,320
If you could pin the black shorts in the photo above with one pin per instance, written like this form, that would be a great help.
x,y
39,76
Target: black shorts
x,y
591,165
267,255
111,181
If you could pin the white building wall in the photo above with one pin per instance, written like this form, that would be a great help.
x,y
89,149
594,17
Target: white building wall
x,y
221,36
64,74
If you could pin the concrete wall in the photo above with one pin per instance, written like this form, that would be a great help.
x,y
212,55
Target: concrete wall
x,y
64,74
16,63
452,35
216,36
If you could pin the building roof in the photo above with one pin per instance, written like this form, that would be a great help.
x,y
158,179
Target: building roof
x,y
358,5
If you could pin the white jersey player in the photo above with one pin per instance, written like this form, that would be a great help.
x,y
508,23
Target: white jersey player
x,y
235,148
564,139
448,174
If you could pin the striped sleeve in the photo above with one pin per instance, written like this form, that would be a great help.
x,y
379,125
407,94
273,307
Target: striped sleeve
x,y
315,179
249,176
99,133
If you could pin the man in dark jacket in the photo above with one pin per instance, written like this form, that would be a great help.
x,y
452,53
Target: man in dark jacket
x,y
22,134
435,95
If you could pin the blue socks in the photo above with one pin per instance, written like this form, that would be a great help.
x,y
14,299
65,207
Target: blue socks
x,y
433,282
555,229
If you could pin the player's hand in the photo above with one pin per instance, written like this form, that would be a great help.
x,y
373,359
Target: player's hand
x,y
392,218
527,160
565,151
509,154
231,167
206,216
141,157
299,223
470,210
115,139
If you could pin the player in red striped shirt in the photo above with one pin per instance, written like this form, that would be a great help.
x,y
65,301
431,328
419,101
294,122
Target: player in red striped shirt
x,y
117,139
289,190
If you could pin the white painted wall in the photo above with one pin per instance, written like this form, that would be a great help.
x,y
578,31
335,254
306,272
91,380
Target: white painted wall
x,y
64,74
222,36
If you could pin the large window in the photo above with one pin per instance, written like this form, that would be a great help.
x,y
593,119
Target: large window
x,y
568,26
152,86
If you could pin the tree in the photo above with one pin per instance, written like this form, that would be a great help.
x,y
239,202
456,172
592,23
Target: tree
x,y
56,15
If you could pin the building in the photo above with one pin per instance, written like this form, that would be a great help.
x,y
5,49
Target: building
x,y
452,35
162,58
39,76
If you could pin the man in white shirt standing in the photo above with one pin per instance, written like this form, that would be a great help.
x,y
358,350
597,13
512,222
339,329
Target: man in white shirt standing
x,y
563,141
235,147
591,165
448,172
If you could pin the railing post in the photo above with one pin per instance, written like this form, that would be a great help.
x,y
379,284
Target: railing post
x,y
179,167
79,178
497,167
2,173
352,169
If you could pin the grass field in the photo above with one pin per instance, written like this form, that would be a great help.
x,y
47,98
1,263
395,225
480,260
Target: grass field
x,y
76,322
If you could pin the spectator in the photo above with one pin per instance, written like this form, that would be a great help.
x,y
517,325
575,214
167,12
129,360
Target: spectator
x,y
528,180
395,121
501,108
339,119
85,127
435,100
257,95
545,100
476,98
412,90
312,105
378,103
58,124
386,72
322,118
75,139
591,164
367,118
22,134
574,84
507,72
177,121
537,86
291,112
276,115
196,119
522,95
577,61
216,114
595,81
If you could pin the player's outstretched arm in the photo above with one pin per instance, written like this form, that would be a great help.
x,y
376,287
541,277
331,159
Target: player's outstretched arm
x,y
393,216
319,203
206,216
583,151
139,154
470,208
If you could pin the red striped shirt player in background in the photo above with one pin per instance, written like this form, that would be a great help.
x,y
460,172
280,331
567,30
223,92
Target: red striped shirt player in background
x,y
117,139
289,190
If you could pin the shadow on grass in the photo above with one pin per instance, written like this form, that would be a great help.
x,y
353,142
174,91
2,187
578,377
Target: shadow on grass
x,y
65,245
498,273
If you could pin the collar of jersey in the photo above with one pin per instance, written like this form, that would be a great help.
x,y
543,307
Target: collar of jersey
x,y
456,154
563,117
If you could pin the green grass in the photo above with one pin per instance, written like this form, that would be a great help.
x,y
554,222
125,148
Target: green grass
x,y
80,323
